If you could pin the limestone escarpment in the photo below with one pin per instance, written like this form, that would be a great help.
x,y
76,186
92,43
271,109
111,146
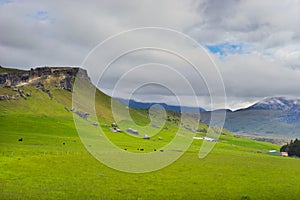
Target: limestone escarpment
x,y
55,77
43,78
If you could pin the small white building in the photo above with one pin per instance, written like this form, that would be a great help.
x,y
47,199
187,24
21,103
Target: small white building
x,y
205,139
284,153
197,138
272,151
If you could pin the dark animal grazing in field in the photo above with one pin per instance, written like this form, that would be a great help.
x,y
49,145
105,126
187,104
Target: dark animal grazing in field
x,y
64,143
141,149
20,139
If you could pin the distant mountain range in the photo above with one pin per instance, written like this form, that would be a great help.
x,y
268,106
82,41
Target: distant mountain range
x,y
144,105
276,103
270,117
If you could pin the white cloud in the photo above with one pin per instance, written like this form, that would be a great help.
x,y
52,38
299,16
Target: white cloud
x,y
35,33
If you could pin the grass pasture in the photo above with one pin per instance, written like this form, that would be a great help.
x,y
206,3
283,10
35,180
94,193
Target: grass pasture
x,y
52,163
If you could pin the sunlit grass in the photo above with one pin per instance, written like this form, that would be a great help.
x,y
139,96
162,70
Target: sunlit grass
x,y
52,163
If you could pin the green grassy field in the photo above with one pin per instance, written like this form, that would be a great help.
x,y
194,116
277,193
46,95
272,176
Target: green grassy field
x,y
52,163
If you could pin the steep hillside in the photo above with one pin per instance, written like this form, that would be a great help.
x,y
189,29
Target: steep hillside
x,y
40,97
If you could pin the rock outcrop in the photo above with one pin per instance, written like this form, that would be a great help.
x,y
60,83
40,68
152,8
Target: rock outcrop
x,y
42,78
16,95
54,77
83,115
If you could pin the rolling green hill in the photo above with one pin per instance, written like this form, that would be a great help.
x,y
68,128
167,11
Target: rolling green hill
x,y
52,163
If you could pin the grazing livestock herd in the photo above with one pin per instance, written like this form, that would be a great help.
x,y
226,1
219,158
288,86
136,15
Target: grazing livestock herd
x,y
114,128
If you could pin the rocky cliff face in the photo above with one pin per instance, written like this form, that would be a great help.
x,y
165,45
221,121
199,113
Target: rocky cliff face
x,y
43,78
54,77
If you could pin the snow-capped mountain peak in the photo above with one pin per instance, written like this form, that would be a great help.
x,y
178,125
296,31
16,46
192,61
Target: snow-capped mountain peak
x,y
276,103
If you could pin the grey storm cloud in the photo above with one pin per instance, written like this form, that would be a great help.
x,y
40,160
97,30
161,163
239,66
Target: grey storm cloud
x,y
39,33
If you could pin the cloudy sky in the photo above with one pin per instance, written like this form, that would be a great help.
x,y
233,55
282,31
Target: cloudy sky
x,y
254,44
